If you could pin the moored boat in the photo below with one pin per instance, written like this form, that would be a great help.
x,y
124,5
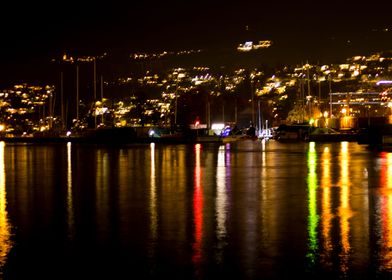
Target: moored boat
x,y
325,134
292,132
235,134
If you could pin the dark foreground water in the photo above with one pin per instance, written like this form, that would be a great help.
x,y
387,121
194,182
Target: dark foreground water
x,y
244,211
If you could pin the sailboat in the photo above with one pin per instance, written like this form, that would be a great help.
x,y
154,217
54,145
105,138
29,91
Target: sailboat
x,y
239,135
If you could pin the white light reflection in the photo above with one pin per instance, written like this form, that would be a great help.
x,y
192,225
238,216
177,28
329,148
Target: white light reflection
x,y
263,169
221,201
5,227
264,174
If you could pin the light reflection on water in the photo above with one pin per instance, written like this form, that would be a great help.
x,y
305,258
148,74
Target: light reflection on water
x,y
153,205
344,210
326,215
221,204
268,210
5,226
70,206
313,217
197,212
384,216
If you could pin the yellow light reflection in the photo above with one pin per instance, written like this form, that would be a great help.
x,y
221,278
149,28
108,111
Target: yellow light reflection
x,y
345,211
263,145
5,227
312,203
70,209
102,192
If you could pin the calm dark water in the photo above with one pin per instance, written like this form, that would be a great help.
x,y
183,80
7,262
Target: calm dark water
x,y
245,211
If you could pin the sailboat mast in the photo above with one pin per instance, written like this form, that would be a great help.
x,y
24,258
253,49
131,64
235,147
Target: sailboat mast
x,y
62,100
102,97
95,92
309,97
330,98
235,112
208,112
95,80
259,114
252,88
77,92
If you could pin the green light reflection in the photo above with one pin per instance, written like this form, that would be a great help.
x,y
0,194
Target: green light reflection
x,y
313,217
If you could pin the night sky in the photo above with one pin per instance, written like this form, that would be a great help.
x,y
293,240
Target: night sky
x,y
300,30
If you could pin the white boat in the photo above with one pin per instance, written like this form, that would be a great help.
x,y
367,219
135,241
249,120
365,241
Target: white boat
x,y
234,135
238,137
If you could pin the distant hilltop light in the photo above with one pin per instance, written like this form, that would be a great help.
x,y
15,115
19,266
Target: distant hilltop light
x,y
145,56
249,45
70,59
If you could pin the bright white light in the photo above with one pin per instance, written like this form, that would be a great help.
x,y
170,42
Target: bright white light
x,y
216,126
383,82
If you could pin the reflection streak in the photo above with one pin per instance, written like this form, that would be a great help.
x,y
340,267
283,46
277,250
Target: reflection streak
x,y
326,212
197,208
153,199
344,210
5,227
102,191
70,209
221,200
312,203
386,213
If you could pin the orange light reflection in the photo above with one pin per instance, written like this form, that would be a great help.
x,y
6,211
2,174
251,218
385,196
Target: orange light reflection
x,y
345,211
326,212
386,213
5,227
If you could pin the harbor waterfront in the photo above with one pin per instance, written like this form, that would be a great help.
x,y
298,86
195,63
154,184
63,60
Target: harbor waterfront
x,y
244,210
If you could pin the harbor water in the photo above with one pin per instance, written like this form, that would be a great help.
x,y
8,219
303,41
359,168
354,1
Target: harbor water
x,y
249,210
